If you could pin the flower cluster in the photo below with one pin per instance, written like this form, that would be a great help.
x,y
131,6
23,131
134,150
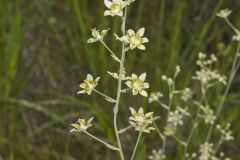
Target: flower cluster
x,y
81,125
175,119
157,155
88,85
206,152
226,133
208,115
154,97
206,75
141,121
138,85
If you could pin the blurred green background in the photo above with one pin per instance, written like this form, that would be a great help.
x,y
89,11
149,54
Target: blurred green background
x,y
44,57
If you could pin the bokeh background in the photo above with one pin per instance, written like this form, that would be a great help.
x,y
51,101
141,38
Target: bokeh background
x,y
44,57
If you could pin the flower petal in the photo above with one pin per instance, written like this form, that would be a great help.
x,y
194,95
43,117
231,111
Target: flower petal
x,y
90,120
107,13
132,46
141,32
120,13
129,84
133,111
81,92
107,3
146,85
135,92
141,47
140,111
131,32
143,93
92,40
134,77
144,40
142,77
89,77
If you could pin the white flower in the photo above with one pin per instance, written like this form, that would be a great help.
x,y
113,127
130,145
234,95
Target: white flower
x,y
226,133
208,115
138,85
88,85
135,39
81,125
206,151
141,121
97,36
206,75
175,118
157,155
115,7
170,129
186,94
224,13
236,37
154,97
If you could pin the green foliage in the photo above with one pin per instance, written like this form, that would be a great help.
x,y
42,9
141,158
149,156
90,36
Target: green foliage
x,y
44,56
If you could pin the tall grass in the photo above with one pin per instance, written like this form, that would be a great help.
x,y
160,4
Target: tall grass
x,y
44,56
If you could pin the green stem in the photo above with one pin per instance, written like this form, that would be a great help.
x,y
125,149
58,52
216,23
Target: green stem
x,y
99,140
232,26
171,94
232,75
108,48
158,130
136,145
107,97
120,87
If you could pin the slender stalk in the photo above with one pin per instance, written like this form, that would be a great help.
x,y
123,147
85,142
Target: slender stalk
x,y
158,131
121,131
99,140
232,75
218,146
108,48
120,86
171,93
136,145
180,141
231,26
104,95
195,125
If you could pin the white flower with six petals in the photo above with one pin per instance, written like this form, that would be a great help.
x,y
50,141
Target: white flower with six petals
x,y
136,40
115,7
81,125
138,85
88,85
